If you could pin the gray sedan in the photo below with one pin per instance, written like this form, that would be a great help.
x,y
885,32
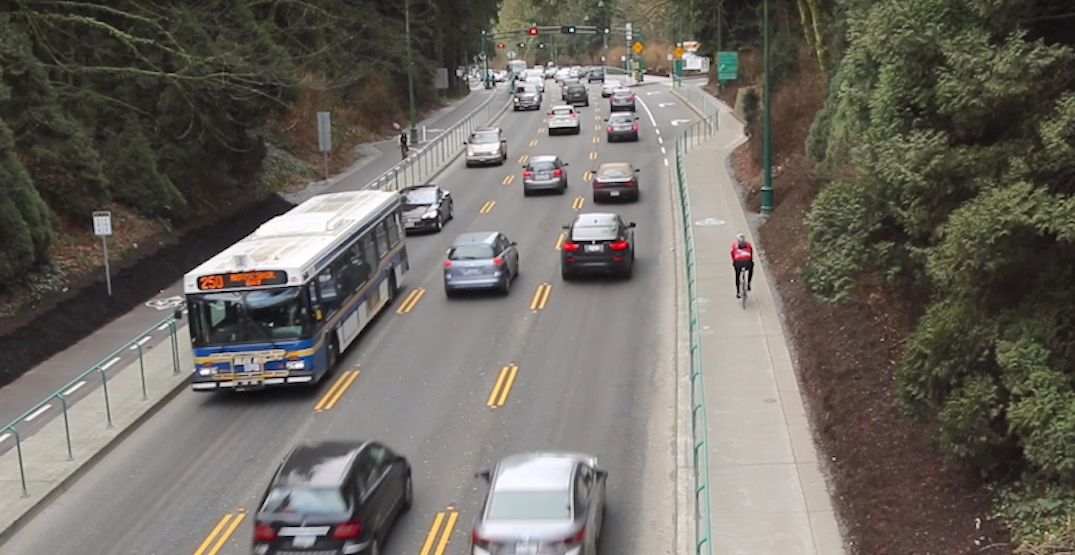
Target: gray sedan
x,y
481,260
544,173
542,504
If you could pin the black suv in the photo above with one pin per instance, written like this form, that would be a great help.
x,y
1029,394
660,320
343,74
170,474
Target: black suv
x,y
333,497
576,95
596,74
598,243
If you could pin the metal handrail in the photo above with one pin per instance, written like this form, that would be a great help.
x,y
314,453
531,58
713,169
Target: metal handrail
x,y
692,136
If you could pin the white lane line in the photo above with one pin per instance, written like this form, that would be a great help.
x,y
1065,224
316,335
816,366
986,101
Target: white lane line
x,y
666,161
74,388
141,342
109,364
5,437
660,140
162,327
650,114
36,413
658,131
663,151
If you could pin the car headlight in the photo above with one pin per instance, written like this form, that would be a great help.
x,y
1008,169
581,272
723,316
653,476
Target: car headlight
x,y
470,151
296,365
207,371
429,215
516,100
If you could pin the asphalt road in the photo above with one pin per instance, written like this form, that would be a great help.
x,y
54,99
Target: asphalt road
x,y
595,373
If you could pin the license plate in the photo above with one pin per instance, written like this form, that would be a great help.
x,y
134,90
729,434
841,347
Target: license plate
x,y
543,175
526,549
613,193
471,271
304,541
593,248
252,367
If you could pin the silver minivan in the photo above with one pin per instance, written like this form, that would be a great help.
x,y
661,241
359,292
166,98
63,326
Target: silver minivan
x,y
481,260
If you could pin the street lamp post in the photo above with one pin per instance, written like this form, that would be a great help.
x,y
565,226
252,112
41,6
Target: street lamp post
x,y
410,70
767,187
485,63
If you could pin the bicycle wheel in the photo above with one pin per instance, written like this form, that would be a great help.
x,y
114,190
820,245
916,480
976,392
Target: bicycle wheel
x,y
743,288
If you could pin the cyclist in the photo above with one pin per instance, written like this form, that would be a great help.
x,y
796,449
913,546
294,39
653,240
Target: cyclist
x,y
742,259
403,148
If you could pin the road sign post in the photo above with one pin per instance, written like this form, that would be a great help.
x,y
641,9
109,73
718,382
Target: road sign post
x,y
102,227
324,138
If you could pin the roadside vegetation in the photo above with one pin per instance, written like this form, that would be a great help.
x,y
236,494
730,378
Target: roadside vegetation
x,y
925,241
175,113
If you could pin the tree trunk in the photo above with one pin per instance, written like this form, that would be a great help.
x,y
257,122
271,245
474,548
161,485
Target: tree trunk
x,y
819,39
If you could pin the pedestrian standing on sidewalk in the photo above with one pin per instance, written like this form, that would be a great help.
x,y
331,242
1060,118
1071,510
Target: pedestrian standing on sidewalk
x,y
403,148
742,259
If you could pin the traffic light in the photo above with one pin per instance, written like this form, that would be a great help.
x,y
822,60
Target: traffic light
x,y
520,44
568,29
534,31
541,45
501,45
607,30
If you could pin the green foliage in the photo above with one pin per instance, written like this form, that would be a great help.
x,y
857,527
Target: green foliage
x,y
131,166
956,121
25,220
1040,514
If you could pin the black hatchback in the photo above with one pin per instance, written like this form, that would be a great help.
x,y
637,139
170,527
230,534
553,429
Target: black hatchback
x,y
577,95
598,243
333,497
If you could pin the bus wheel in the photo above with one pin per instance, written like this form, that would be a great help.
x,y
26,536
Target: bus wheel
x,y
333,356
392,288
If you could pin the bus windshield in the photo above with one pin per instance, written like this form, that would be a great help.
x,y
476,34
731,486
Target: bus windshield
x,y
262,315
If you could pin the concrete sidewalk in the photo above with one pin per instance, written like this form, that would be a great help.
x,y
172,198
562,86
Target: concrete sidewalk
x,y
767,491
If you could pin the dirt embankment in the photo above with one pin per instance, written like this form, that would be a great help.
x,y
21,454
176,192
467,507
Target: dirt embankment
x,y
892,489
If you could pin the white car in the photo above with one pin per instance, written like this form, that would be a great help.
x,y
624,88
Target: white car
x,y
563,119
562,74
537,82
610,87
550,72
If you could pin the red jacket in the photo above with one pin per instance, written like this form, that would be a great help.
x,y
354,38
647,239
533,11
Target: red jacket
x,y
744,253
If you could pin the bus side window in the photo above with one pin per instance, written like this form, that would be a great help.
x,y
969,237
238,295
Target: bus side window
x,y
393,229
331,297
315,302
367,249
381,232
359,268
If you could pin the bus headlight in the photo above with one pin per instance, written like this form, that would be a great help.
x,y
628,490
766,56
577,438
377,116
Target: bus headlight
x,y
207,371
296,365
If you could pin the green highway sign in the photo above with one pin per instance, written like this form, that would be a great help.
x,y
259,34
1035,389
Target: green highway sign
x,y
727,66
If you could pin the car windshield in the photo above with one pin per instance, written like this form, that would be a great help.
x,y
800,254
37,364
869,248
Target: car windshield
x,y
284,500
543,166
529,505
601,232
420,197
614,173
622,118
531,89
563,112
576,89
484,138
471,252
263,315
622,94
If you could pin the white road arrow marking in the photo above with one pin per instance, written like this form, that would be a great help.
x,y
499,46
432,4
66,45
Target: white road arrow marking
x,y
666,104
679,121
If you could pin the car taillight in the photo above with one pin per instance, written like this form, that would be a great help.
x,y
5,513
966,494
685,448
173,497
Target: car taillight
x,y
597,184
610,129
447,264
631,184
528,173
264,533
578,538
498,261
619,246
347,531
634,126
477,540
558,172
571,247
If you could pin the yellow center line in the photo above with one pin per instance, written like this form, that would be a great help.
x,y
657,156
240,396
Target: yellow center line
x,y
587,176
448,518
513,370
336,391
222,532
593,155
560,240
597,127
597,139
534,142
523,158
541,129
541,296
212,535
487,207
578,203
411,300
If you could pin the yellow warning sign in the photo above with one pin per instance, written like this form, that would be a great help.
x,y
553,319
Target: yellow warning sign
x,y
638,47
679,53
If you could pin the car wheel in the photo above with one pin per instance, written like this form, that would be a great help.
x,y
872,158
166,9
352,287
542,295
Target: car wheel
x,y
439,225
506,288
408,493
526,192
565,274
630,270
375,547
449,293
596,199
451,211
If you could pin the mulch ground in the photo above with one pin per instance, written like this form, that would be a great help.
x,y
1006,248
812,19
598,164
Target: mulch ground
x,y
893,491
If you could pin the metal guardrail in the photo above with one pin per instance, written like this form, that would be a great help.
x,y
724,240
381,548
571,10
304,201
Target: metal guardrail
x,y
423,163
697,133
103,370
704,102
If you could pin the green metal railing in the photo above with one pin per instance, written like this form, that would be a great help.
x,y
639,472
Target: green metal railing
x,y
697,133
99,371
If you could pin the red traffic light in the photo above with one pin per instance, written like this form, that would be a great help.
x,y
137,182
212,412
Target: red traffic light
x,y
501,45
534,31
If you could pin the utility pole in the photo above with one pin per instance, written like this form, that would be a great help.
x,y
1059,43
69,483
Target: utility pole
x,y
485,63
767,187
410,70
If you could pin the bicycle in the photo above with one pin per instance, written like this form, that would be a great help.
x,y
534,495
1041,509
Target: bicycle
x,y
404,151
744,287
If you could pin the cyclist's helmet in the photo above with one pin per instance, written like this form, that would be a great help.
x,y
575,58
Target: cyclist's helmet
x,y
741,238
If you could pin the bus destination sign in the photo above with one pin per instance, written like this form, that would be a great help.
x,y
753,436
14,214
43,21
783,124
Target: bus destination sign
x,y
242,279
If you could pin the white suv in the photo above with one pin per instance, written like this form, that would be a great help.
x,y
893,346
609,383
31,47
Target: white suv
x,y
563,118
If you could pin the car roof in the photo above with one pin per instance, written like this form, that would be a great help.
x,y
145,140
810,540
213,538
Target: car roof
x,y
475,238
322,464
487,130
537,471
623,115
564,107
596,219
418,188
624,166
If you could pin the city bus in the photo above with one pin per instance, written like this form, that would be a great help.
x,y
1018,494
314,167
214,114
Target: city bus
x,y
279,307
